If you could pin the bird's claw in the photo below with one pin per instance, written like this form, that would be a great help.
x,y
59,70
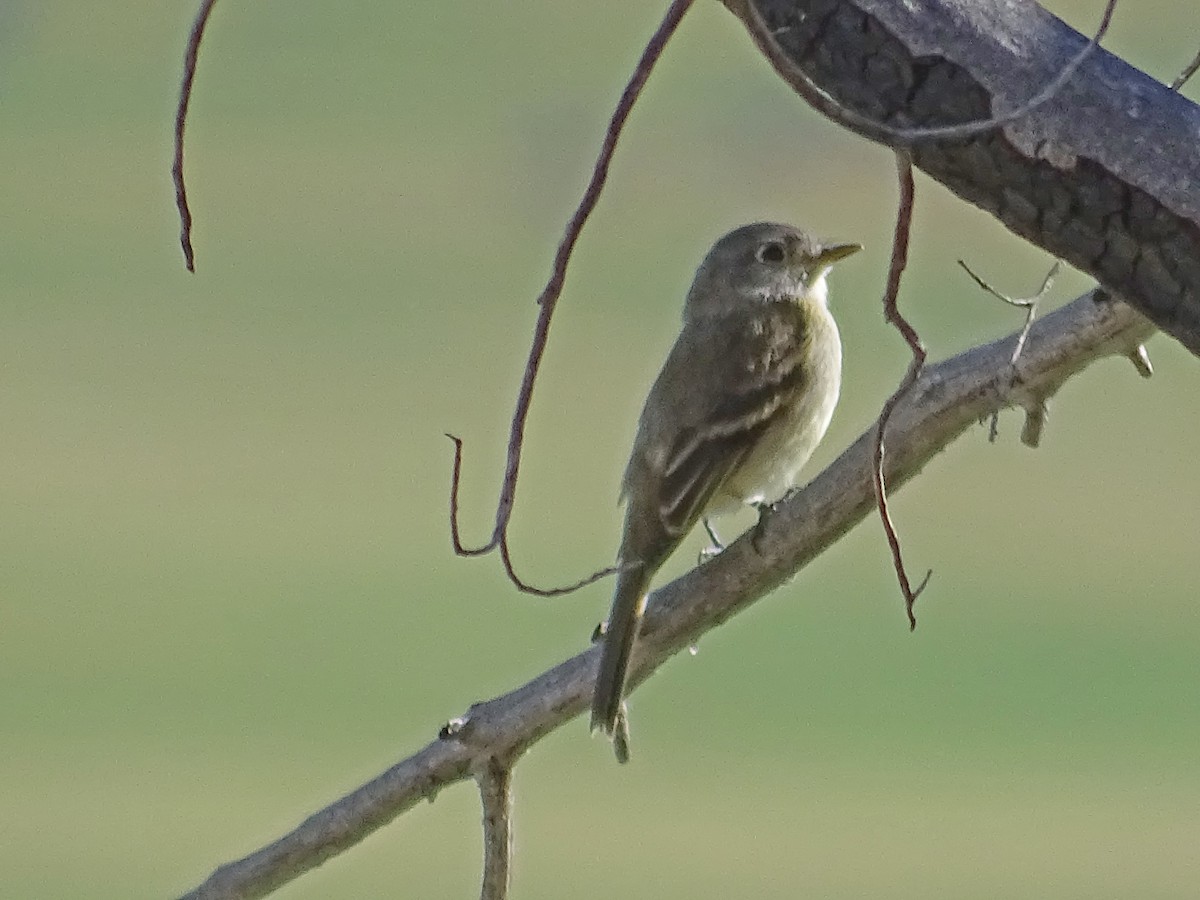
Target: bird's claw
x,y
715,549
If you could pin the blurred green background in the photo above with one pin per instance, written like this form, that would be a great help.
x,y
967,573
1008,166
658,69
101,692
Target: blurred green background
x,y
228,595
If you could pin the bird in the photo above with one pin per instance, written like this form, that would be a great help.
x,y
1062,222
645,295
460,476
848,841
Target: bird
x,y
744,397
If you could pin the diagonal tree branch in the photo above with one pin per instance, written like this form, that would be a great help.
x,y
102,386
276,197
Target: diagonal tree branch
x,y
946,400
1102,175
895,135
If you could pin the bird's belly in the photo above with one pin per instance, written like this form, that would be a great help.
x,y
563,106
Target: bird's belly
x,y
771,468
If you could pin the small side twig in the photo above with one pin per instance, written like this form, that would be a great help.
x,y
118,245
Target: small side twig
x,y
883,133
1030,305
1188,71
1141,361
891,312
181,110
495,794
547,301
620,738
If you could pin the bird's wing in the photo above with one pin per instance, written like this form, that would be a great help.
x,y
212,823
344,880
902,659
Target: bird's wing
x,y
744,373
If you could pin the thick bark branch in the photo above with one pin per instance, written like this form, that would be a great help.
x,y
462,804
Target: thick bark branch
x,y
946,400
1103,176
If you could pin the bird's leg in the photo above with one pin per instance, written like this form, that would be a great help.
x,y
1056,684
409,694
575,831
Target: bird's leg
x,y
709,552
712,534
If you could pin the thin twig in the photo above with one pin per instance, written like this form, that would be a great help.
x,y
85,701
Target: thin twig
x,y
461,550
455,481
880,132
1188,71
181,111
891,312
1030,305
495,794
547,301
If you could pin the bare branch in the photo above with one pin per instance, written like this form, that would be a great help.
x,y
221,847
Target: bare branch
x,y
947,399
547,301
495,793
872,129
891,312
181,110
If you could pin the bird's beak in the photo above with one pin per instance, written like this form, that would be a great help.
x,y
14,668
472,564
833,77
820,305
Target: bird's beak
x,y
834,252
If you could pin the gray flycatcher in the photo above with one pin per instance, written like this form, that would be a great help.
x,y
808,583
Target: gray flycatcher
x,y
744,397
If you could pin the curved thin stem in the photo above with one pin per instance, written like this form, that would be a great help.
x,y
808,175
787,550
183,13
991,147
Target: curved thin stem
x,y
191,54
547,300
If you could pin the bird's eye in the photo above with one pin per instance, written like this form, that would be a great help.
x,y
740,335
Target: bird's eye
x,y
771,252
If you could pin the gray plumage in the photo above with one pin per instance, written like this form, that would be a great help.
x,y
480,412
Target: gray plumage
x,y
743,398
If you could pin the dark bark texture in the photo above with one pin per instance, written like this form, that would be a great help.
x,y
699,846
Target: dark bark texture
x,y
1106,175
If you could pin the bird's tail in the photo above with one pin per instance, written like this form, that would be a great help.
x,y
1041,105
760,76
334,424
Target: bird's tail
x,y
629,600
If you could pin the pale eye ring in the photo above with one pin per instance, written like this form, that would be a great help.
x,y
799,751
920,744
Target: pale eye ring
x,y
771,252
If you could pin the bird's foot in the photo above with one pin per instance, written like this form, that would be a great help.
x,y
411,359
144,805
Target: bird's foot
x,y
716,547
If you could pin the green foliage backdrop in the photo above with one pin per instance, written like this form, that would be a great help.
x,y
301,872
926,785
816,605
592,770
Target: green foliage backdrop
x,y
227,593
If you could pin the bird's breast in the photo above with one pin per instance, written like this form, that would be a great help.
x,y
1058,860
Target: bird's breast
x,y
771,468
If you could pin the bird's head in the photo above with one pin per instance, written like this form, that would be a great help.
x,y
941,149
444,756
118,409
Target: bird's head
x,y
766,261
